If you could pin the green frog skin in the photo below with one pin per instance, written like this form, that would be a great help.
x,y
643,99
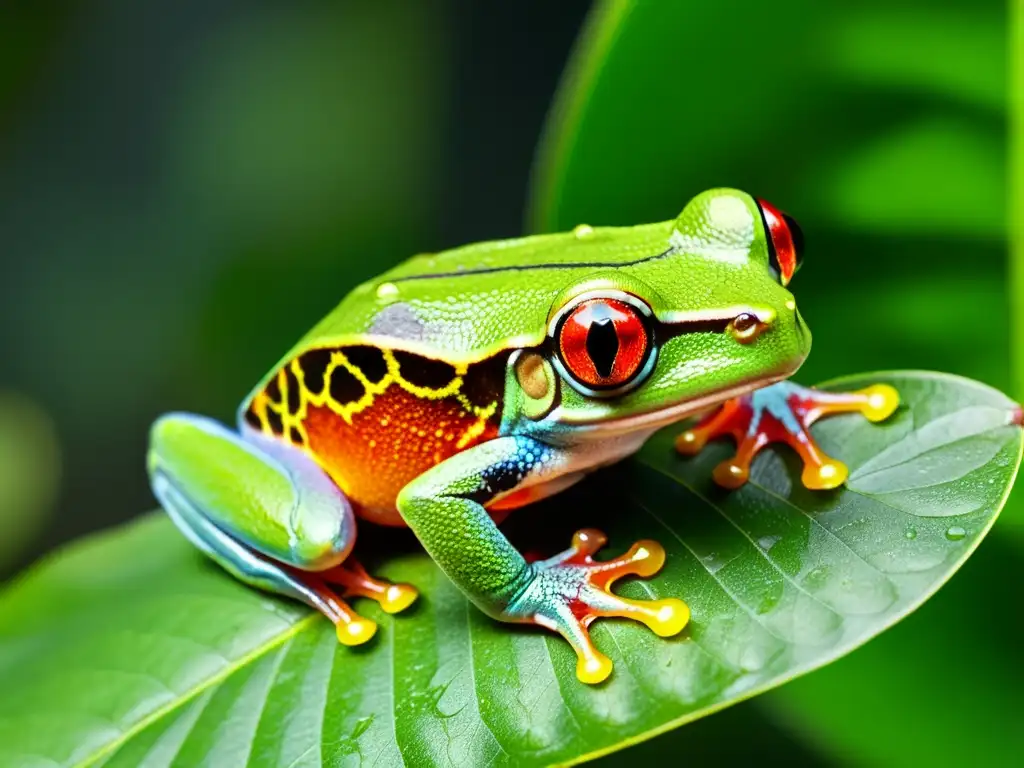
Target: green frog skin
x,y
461,385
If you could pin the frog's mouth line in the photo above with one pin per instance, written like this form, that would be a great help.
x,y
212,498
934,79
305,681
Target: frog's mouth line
x,y
662,417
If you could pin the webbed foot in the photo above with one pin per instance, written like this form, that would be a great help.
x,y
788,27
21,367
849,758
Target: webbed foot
x,y
783,413
572,589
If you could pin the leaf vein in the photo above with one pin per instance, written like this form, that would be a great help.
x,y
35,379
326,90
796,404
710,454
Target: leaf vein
x,y
215,679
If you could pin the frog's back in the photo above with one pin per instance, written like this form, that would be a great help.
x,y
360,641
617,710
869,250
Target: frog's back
x,y
468,302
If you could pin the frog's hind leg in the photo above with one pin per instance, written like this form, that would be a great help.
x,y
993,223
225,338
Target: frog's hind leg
x,y
256,570
262,510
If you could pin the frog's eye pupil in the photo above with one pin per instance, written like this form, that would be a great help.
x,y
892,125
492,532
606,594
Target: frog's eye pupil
x,y
785,241
603,343
603,346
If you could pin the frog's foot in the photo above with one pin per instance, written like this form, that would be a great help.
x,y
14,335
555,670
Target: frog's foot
x,y
784,413
258,570
289,526
358,583
572,589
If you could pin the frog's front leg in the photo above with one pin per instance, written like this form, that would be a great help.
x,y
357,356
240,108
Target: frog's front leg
x,y
784,412
445,507
268,515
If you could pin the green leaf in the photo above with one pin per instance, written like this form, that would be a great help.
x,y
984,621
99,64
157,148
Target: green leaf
x,y
960,647
131,648
953,51
807,104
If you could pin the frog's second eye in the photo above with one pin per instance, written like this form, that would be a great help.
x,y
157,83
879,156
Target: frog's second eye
x,y
785,241
603,344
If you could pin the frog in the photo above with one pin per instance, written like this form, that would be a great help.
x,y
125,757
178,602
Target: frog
x,y
459,386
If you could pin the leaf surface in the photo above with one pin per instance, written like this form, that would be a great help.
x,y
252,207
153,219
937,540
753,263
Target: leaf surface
x,y
131,649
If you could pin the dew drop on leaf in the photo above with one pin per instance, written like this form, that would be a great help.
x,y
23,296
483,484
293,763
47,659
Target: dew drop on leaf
x,y
955,533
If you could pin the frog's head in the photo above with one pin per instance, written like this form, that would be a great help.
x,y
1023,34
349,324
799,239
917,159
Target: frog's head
x,y
706,317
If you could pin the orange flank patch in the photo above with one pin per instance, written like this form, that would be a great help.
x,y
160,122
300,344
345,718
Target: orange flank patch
x,y
377,418
388,444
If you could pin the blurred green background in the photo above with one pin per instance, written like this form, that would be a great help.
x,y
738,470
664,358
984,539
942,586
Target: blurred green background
x,y
185,187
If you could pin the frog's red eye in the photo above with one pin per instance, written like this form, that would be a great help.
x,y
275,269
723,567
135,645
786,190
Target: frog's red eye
x,y
603,343
785,241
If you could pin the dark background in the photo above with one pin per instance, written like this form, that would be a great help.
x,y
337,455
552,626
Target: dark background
x,y
186,187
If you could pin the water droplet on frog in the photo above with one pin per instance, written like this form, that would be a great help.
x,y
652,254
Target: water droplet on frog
x,y
583,230
387,291
910,533
955,533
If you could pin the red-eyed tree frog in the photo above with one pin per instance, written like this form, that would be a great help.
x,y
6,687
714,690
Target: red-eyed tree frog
x,y
458,386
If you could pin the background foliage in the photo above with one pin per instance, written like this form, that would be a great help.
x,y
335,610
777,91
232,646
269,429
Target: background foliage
x,y
185,187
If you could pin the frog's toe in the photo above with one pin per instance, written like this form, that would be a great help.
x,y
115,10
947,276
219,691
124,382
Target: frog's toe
x,y
880,401
691,442
392,598
730,475
398,597
571,590
356,631
350,627
729,419
823,476
592,667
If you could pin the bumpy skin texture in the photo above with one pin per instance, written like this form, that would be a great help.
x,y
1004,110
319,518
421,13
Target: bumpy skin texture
x,y
469,303
446,392
445,504
375,419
